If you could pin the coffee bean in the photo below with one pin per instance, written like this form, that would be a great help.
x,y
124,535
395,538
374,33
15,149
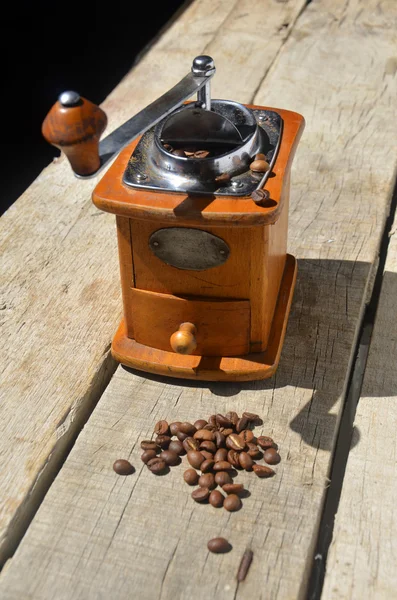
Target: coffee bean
x,y
191,476
200,424
223,178
161,428
216,499
207,481
226,431
207,455
212,421
209,446
219,545
222,478
222,465
187,428
149,445
174,427
207,465
233,417
220,454
247,435
245,565
241,424
246,461
123,467
204,434
233,488
223,421
263,471
254,451
201,154
181,436
148,455
233,458
209,427
195,458
265,442
168,147
235,442
163,441
177,446
220,439
201,494
171,458
191,444
157,465
253,418
178,152
232,503
271,456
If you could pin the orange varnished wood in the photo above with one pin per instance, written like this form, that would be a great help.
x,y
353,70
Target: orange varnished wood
x,y
111,195
215,368
126,269
76,131
223,326
184,340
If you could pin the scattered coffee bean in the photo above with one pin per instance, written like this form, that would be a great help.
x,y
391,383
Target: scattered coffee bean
x,y
220,454
188,428
207,481
171,458
204,434
148,455
207,455
253,418
233,458
263,471
174,427
222,465
177,446
161,428
212,421
223,421
195,458
209,446
156,465
181,436
254,451
222,478
219,545
232,503
209,427
207,465
246,461
191,476
245,565
123,467
200,424
149,445
163,441
220,439
247,435
191,444
242,424
265,442
201,494
271,456
235,442
233,488
233,417
216,499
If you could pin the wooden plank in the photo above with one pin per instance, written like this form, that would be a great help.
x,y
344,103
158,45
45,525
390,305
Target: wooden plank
x,y
60,299
361,559
98,535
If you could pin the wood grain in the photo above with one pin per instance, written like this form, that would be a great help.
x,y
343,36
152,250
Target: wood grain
x,y
60,278
97,535
361,559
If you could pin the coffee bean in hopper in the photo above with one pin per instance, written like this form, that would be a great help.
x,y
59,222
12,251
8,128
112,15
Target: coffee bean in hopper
x,y
219,545
123,467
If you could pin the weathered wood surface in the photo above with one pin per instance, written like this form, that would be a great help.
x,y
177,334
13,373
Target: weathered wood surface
x,y
362,557
97,535
60,294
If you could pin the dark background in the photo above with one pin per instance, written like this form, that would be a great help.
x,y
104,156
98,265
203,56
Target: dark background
x,y
48,48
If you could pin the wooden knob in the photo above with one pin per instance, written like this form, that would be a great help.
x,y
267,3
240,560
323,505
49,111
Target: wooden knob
x,y
74,125
183,341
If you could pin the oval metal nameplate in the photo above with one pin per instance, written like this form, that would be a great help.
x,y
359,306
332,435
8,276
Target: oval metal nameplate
x,y
189,249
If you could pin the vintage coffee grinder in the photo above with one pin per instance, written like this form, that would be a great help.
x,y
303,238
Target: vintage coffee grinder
x,y
200,193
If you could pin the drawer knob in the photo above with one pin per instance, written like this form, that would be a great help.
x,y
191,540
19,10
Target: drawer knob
x,y
183,341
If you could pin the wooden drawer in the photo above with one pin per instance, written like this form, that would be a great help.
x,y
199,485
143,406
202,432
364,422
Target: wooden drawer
x,y
223,326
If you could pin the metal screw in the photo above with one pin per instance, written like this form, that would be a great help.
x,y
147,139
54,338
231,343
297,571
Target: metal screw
x,y
258,196
140,177
221,252
155,243
237,184
203,65
69,98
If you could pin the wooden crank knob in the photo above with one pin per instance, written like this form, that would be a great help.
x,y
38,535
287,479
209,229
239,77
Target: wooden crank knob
x,y
183,341
74,125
